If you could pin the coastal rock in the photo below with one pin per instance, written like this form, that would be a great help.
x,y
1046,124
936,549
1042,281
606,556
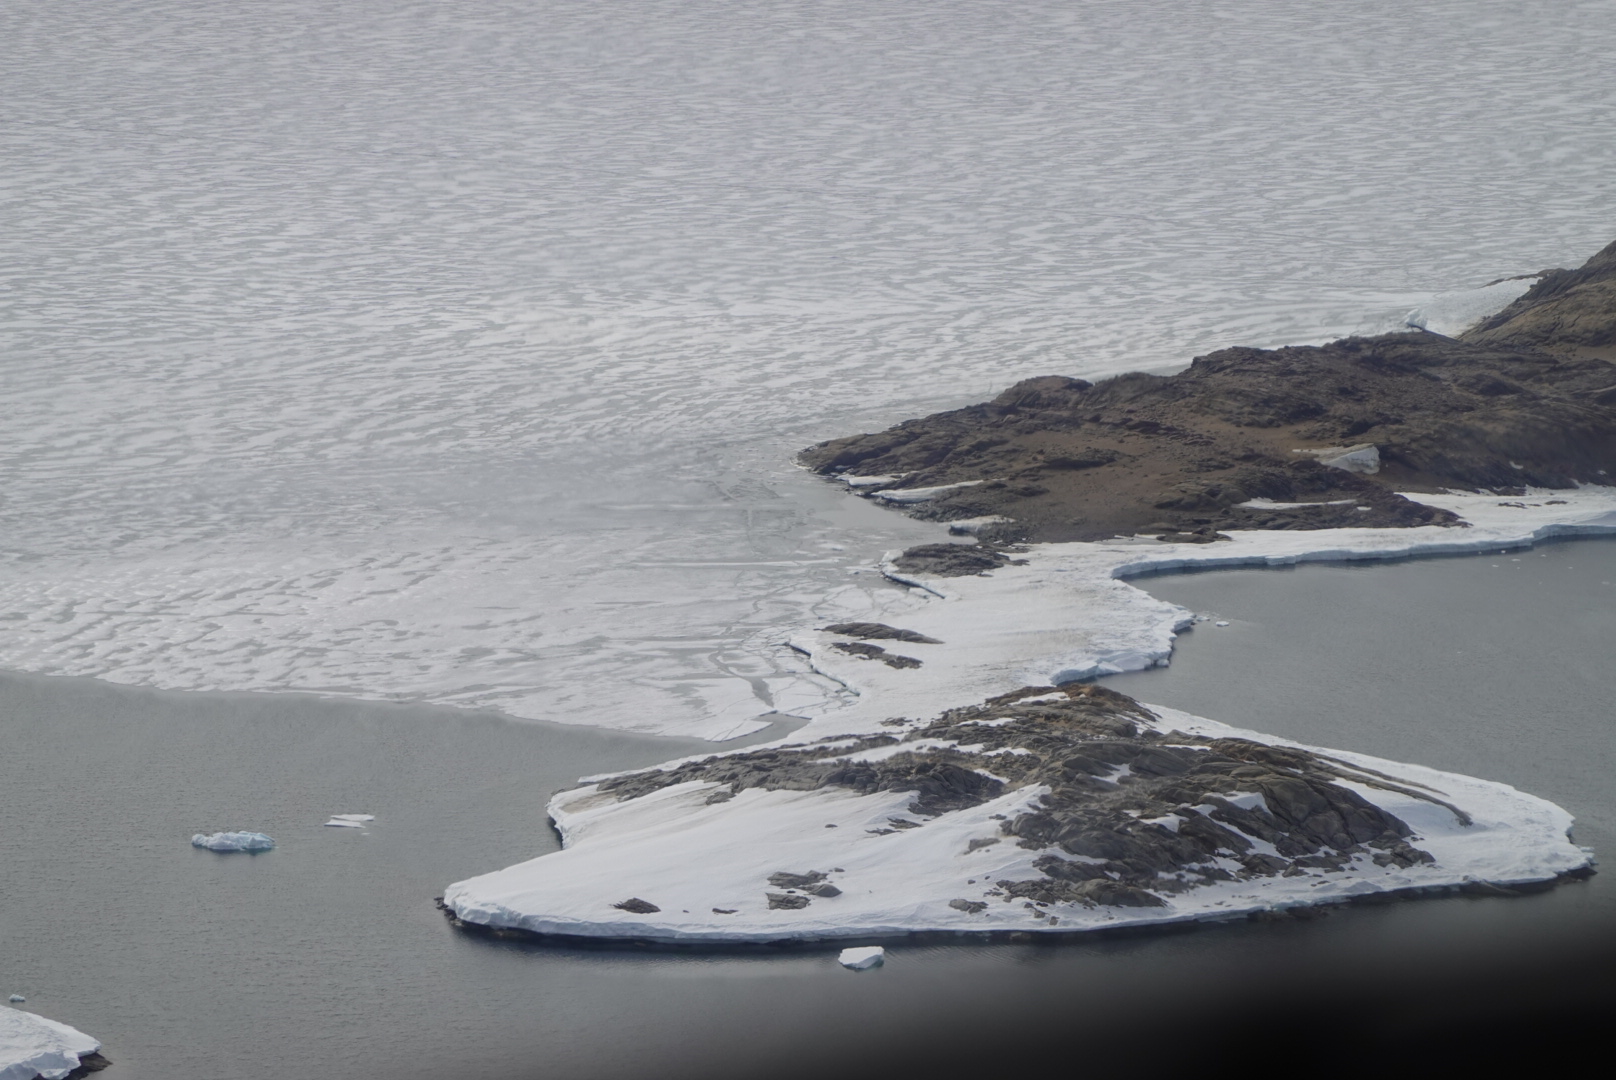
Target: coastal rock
x,y
1310,437
950,560
1570,312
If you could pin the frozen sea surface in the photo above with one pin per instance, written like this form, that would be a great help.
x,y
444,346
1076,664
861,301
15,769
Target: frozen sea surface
x,y
456,353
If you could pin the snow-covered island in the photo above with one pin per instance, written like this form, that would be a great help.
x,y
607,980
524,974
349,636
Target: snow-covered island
x,y
974,783
33,1047
1014,805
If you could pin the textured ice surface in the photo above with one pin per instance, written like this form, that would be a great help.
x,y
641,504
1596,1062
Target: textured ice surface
x,y
32,1046
862,958
233,841
1065,614
457,352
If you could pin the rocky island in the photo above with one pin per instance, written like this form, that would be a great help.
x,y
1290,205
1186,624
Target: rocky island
x,y
977,784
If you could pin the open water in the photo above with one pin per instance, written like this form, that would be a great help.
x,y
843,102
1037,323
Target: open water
x,y
455,355
327,957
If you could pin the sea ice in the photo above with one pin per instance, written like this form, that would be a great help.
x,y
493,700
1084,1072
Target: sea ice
x,y
32,1046
862,959
232,841
349,821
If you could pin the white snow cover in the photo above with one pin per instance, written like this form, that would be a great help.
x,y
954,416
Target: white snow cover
x,y
233,841
1452,313
32,1046
1064,615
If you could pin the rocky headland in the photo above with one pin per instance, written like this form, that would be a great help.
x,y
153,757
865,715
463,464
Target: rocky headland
x,y
1310,437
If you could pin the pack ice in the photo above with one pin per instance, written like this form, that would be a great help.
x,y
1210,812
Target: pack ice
x,y
32,1046
978,785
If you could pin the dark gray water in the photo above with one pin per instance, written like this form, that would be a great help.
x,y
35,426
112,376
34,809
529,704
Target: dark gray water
x,y
1501,665
326,956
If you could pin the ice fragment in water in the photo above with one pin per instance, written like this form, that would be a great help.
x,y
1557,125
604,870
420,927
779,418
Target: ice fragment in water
x,y
17,999
862,959
233,841
349,821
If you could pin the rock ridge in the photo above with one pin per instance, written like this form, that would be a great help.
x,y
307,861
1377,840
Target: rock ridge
x,y
1305,437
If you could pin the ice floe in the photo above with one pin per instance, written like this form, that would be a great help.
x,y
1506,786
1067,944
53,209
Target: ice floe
x,y
233,841
862,958
349,821
32,1046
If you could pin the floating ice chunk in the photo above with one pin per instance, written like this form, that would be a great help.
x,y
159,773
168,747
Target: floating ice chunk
x,y
862,959
17,999
349,821
1221,622
233,841
33,1046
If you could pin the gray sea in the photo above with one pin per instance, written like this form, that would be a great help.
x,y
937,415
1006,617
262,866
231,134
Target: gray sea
x,y
400,397
328,957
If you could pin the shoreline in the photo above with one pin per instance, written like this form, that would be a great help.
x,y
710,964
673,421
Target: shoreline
x,y
1363,448
976,659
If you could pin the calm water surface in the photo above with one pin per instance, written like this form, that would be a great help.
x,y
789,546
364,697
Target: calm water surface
x,y
326,956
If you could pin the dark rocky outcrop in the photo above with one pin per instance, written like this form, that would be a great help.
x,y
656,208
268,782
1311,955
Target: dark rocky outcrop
x,y
866,651
1133,814
874,631
89,1063
1528,397
787,901
637,906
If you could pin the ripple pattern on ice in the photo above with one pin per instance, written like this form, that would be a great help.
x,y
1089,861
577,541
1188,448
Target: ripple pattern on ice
x,y
454,352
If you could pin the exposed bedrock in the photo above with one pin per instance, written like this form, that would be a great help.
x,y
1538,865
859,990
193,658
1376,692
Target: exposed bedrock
x,y
1333,431
1131,813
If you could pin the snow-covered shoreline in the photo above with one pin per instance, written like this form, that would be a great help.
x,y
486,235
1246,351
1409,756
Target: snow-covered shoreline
x,y
702,856
32,1046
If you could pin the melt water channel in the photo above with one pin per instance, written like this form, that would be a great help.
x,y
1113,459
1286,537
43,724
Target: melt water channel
x,y
327,956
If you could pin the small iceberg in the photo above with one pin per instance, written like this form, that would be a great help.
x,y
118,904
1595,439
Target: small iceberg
x,y
862,959
349,821
32,1046
233,841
